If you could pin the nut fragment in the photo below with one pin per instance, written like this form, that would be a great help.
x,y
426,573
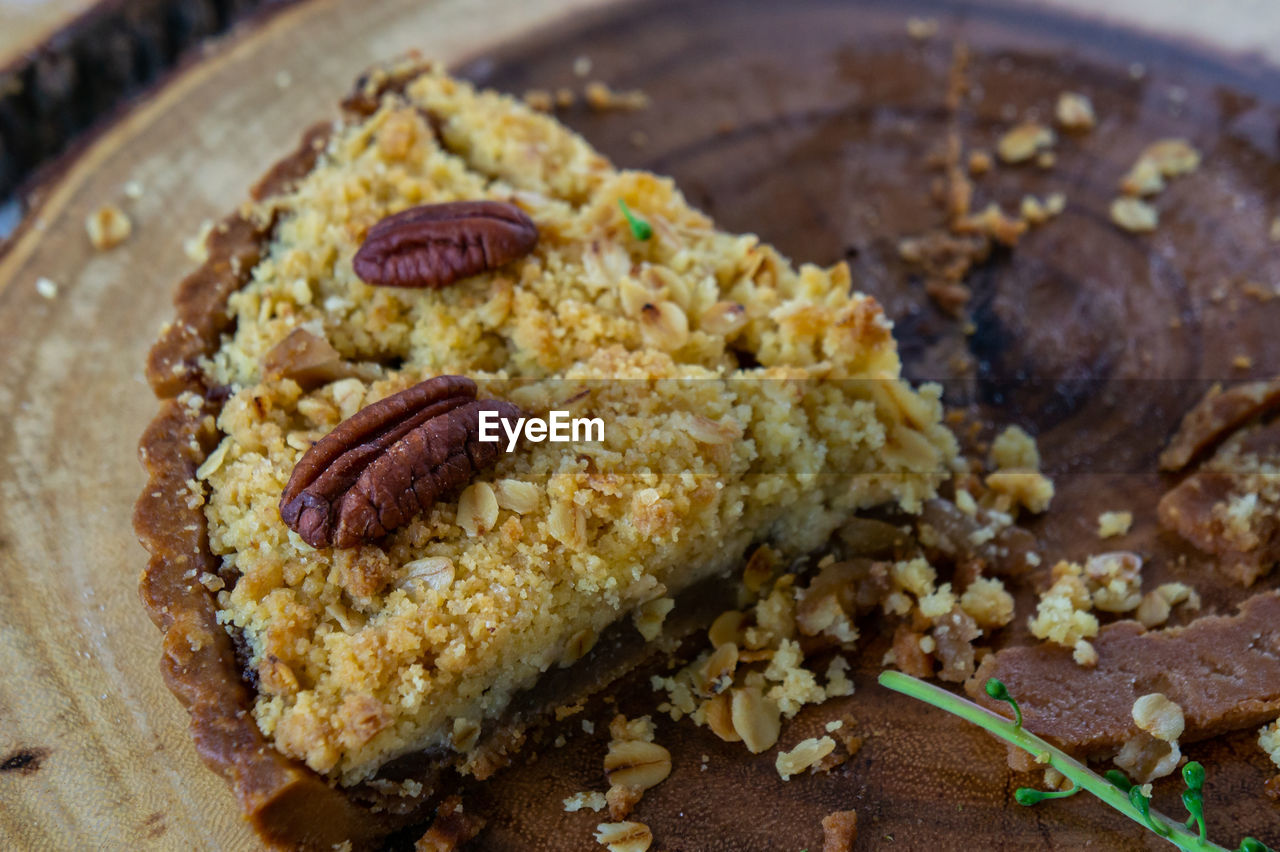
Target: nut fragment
x,y
434,245
1158,716
389,462
311,361
636,763
756,718
624,836
108,227
726,628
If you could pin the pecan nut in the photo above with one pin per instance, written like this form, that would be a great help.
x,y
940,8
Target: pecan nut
x,y
434,245
390,461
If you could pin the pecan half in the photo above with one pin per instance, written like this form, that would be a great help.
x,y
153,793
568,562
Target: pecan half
x,y
390,461
434,245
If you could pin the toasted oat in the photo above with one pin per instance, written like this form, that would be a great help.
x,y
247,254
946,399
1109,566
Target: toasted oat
x,y
1024,142
636,763
1074,111
756,718
108,227
1134,215
648,617
1112,524
624,836
477,509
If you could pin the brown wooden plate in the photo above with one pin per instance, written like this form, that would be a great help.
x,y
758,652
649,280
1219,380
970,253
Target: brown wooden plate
x,y
808,122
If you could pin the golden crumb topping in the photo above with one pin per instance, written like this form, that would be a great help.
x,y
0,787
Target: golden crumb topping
x,y
744,400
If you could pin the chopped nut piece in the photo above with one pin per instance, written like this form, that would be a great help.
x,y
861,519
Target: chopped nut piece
x,y
1159,717
108,227
1084,654
1111,524
1134,215
1074,111
1145,758
624,836
1154,609
1024,142
839,831
755,718
622,800
804,755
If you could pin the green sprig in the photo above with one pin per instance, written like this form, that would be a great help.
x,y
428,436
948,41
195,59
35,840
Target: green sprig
x,y
1115,789
640,229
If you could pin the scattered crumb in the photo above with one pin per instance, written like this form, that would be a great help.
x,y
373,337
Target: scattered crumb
x,y
1154,752
539,99
1166,158
1242,362
1024,142
833,725
839,831
648,617
988,603
1014,449
1111,524
108,227
1269,739
565,98
600,97
805,755
195,247
47,288
922,29
980,163
1134,215
582,66
639,138
592,801
1062,613
624,836
1074,111
133,190
1256,291
1046,159
1084,654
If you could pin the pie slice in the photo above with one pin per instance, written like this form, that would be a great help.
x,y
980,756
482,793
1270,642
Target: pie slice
x,y
742,401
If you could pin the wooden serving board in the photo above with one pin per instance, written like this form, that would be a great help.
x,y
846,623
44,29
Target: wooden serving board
x,y
807,122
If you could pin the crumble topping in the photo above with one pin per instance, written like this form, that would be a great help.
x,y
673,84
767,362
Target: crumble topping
x,y
372,652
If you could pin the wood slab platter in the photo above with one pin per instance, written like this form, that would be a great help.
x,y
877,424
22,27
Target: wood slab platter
x,y
809,123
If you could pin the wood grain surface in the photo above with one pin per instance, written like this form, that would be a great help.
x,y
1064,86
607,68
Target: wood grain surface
x,y
808,123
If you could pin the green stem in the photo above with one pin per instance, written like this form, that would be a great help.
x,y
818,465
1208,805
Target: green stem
x,y
1073,769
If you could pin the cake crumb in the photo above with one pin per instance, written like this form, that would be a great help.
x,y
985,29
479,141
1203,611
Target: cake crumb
x,y
1242,362
47,288
196,247
922,29
980,162
133,190
1074,111
582,66
833,725
1111,524
1015,449
539,99
1134,215
839,831
601,97
591,801
108,227
1024,142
